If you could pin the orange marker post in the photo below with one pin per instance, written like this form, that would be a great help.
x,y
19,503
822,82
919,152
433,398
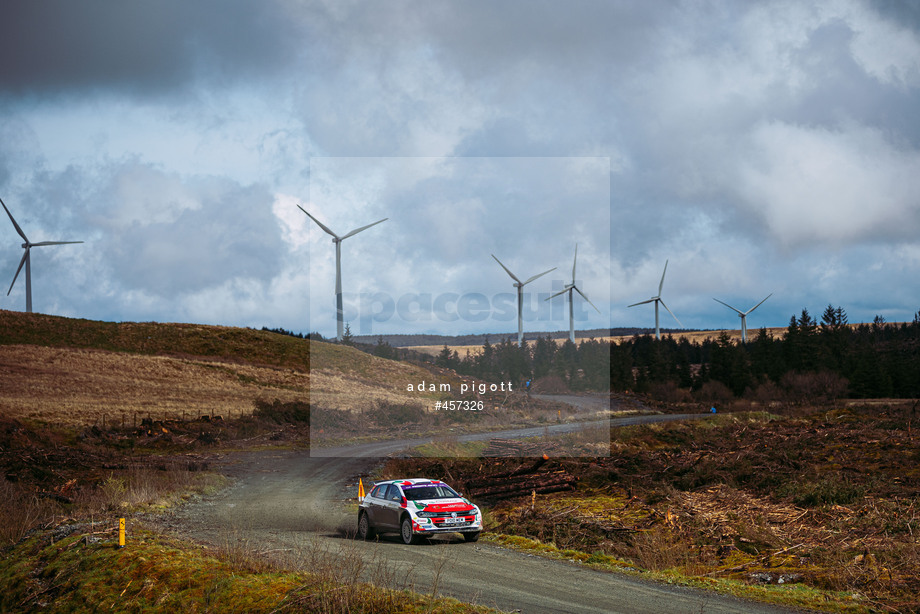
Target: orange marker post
x,y
360,490
121,532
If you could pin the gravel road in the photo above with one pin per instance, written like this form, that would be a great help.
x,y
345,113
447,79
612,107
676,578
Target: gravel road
x,y
292,505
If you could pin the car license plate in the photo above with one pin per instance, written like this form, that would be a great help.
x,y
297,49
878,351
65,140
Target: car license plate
x,y
453,520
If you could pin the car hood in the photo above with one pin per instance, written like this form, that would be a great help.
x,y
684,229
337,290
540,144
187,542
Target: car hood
x,y
442,505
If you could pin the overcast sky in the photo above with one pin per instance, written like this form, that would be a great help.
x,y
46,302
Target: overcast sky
x,y
757,147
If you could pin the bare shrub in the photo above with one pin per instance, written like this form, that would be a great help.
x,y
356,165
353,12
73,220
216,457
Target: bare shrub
x,y
767,393
138,487
714,392
550,384
238,550
669,392
20,512
282,412
658,549
814,387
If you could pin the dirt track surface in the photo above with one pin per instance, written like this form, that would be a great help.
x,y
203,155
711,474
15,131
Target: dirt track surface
x,y
295,506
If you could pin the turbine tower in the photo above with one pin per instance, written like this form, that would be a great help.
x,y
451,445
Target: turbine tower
x,y
743,315
569,288
657,299
340,312
520,296
27,258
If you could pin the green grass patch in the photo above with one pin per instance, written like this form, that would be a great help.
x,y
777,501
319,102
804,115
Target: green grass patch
x,y
797,595
154,574
451,448
596,560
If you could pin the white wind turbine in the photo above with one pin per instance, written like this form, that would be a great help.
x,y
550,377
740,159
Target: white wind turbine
x,y
743,315
569,288
520,296
27,258
340,312
657,299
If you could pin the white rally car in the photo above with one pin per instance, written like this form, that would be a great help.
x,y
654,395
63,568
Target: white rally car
x,y
417,508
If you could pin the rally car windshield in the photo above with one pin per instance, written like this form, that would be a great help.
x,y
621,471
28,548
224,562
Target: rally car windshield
x,y
429,491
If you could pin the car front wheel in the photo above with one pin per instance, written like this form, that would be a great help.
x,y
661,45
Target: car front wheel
x,y
406,531
471,537
365,530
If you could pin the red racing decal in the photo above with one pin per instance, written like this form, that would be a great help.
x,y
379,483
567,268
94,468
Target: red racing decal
x,y
449,507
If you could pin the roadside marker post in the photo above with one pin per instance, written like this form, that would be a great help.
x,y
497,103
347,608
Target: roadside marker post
x,y
360,491
121,532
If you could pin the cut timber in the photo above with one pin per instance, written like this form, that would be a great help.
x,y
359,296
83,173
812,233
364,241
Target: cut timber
x,y
521,482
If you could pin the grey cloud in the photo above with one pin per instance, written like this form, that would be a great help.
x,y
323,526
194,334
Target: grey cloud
x,y
160,233
901,12
228,234
138,47
732,129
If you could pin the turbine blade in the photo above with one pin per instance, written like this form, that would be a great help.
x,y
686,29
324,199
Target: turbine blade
x,y
558,293
758,304
536,276
15,225
574,261
21,262
586,298
644,302
671,312
729,306
507,270
661,284
357,230
320,224
43,243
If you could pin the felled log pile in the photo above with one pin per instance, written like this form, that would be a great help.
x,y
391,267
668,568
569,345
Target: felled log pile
x,y
521,482
514,448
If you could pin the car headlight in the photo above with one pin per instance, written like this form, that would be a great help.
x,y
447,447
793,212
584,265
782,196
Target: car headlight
x,y
426,514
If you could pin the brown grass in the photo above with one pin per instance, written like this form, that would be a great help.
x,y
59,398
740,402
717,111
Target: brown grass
x,y
78,387
827,501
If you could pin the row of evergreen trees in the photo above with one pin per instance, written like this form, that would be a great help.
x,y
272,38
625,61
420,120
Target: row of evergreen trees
x,y
876,360
865,361
583,366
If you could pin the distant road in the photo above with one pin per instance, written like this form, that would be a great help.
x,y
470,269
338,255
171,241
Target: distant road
x,y
592,403
380,449
294,503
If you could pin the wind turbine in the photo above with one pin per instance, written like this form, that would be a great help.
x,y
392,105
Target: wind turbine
x,y
657,299
569,288
27,258
340,311
743,315
520,295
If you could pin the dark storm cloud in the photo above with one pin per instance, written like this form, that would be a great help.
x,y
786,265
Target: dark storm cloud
x,y
901,12
750,143
139,47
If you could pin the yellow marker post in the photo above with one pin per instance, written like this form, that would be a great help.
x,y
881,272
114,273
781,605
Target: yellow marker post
x,y
360,490
121,532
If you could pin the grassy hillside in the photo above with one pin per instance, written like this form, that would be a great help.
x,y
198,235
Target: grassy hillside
x,y
242,344
74,371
